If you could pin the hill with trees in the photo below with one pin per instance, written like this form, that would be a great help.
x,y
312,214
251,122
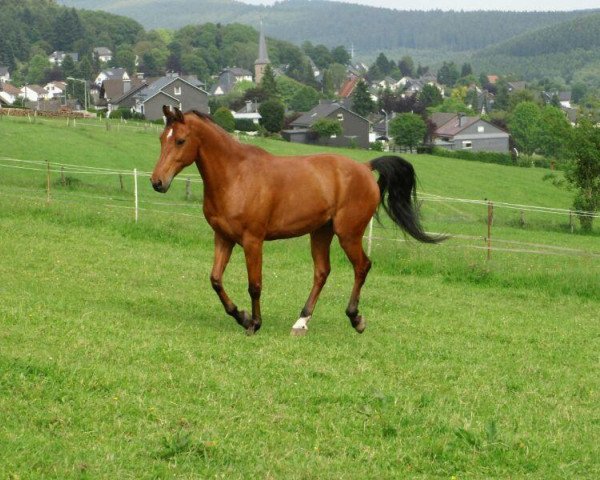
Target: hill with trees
x,y
570,50
332,23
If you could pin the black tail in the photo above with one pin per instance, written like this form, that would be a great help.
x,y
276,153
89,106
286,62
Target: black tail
x,y
398,186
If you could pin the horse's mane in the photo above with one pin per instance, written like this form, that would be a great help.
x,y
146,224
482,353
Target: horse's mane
x,y
206,116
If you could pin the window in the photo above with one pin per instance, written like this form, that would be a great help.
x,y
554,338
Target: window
x,y
480,129
340,117
177,91
467,144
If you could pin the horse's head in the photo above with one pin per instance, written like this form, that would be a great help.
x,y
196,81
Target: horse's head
x,y
178,149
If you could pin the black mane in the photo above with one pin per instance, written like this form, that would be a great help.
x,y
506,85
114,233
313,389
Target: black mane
x,y
204,116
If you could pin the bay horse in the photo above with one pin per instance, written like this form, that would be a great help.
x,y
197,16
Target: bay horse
x,y
251,196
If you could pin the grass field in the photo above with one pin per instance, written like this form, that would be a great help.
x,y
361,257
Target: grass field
x,y
117,361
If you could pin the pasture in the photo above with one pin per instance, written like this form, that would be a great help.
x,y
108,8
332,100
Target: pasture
x,y
117,360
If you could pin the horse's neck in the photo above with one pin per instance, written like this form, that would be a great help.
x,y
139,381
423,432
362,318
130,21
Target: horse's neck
x,y
219,157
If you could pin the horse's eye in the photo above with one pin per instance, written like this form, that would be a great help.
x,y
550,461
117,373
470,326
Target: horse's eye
x,y
180,141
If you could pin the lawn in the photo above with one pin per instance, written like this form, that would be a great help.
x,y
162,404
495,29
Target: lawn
x,y
117,361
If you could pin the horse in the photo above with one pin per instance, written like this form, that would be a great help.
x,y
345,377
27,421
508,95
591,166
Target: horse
x,y
252,196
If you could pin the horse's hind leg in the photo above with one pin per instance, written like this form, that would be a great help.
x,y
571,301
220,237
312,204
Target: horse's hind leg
x,y
352,245
320,242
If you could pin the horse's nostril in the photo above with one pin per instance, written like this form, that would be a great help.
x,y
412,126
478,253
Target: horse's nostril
x,y
157,185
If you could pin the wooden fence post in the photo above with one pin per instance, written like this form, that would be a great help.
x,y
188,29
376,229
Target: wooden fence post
x,y
121,181
135,193
571,220
47,182
188,188
522,220
63,180
489,229
370,238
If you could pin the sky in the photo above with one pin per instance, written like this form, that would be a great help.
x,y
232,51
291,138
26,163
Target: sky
x,y
514,5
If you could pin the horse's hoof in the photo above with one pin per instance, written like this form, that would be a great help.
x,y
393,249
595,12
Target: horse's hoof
x,y
359,324
299,332
245,320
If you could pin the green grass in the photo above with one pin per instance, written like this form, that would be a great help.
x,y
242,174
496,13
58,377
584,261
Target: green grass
x,y
117,361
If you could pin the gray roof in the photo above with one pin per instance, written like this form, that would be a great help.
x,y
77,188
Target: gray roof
x,y
114,72
322,110
157,86
102,51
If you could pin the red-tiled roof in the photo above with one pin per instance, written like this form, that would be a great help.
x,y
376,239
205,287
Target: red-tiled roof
x,y
348,87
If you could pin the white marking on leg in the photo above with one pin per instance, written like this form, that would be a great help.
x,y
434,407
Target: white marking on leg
x,y
301,323
170,133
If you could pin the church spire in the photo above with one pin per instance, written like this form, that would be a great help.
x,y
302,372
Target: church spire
x,y
263,57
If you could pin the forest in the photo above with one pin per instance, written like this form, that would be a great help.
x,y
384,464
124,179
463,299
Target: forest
x,y
369,29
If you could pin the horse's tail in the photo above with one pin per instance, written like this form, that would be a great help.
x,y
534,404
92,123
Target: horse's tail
x,y
398,187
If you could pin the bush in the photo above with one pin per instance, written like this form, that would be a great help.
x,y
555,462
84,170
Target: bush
x,y
272,113
486,157
376,146
224,118
245,125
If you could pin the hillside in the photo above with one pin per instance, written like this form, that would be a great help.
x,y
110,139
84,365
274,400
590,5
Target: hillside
x,y
29,26
369,29
559,50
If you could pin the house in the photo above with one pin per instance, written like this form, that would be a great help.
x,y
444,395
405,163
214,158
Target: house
x,y
355,129
170,90
347,88
9,93
456,131
228,78
32,93
248,112
56,58
103,54
110,74
55,89
516,86
4,74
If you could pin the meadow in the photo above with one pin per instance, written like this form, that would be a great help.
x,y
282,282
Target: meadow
x,y
117,361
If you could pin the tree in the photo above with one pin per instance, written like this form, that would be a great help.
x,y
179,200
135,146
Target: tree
x,y
84,69
273,115
224,118
327,128
68,67
430,96
578,92
448,74
501,101
268,83
584,171
554,132
524,124
37,69
406,65
304,99
362,103
466,70
340,55
408,129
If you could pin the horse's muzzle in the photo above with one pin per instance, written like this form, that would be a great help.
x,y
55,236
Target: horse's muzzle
x,y
158,186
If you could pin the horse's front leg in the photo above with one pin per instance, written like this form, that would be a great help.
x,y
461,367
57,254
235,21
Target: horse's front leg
x,y
253,253
223,248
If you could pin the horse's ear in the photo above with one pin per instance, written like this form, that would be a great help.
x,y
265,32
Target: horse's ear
x,y
172,114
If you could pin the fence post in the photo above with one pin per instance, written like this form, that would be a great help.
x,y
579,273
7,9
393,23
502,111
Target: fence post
x,y
370,238
47,182
489,229
188,188
522,220
63,180
571,220
121,181
135,193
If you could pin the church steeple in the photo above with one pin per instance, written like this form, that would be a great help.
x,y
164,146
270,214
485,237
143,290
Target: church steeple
x,y
263,57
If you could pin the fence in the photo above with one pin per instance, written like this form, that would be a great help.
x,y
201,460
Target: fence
x,y
122,198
